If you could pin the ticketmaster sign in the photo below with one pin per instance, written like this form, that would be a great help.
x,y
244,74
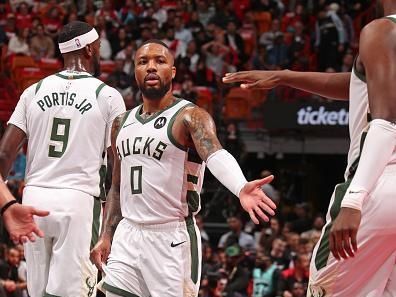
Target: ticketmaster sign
x,y
331,116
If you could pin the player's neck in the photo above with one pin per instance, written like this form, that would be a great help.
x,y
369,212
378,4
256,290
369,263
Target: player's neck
x,y
153,106
76,63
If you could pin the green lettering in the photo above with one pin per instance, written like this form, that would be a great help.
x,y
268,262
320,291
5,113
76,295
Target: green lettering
x,y
135,150
55,98
159,150
147,145
41,104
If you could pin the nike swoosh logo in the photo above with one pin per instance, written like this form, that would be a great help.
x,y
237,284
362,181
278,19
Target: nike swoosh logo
x,y
176,244
355,192
128,124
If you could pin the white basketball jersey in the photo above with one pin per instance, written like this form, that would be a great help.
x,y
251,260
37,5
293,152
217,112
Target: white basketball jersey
x,y
160,179
358,113
67,118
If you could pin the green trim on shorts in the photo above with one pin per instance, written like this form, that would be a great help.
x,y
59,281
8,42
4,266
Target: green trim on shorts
x,y
323,252
49,295
95,222
193,248
118,291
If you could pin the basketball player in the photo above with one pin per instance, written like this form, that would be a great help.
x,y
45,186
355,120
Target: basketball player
x,y
162,148
362,263
18,219
66,119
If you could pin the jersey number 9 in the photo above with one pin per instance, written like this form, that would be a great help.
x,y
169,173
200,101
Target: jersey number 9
x,y
60,134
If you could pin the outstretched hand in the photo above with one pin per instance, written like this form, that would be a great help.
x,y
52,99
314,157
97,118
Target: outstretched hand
x,y
19,222
100,252
343,243
255,79
255,202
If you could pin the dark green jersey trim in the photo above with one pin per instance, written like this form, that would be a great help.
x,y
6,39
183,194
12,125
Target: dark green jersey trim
x,y
192,201
97,208
193,249
170,126
118,291
38,86
126,114
391,19
361,76
322,255
194,157
49,295
99,89
192,179
144,121
73,76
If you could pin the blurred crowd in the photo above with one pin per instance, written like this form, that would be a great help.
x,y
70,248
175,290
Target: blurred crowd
x,y
208,39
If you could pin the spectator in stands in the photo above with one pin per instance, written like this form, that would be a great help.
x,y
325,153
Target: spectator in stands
x,y
145,34
188,91
127,55
160,13
23,16
265,276
205,14
330,37
182,33
302,222
178,47
278,253
109,14
120,80
236,235
300,48
224,13
18,44
298,274
260,58
52,22
41,45
278,52
235,42
267,38
9,278
269,189
293,240
5,9
127,14
19,167
194,24
10,26
215,53
267,235
347,62
200,225
237,274
191,56
314,234
119,41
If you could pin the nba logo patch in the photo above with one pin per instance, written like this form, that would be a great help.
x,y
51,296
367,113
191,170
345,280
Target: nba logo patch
x,y
77,42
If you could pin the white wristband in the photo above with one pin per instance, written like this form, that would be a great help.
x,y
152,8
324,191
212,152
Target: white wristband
x,y
226,169
354,198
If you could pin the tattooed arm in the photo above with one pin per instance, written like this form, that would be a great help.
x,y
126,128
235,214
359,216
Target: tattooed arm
x,y
224,167
113,216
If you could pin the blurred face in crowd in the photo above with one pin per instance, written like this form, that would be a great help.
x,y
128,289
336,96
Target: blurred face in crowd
x,y
302,262
274,225
298,290
231,28
262,260
23,8
278,246
119,63
191,47
178,23
318,223
235,224
292,240
13,257
275,25
40,30
154,70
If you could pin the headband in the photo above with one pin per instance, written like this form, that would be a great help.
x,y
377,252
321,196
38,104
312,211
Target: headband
x,y
78,42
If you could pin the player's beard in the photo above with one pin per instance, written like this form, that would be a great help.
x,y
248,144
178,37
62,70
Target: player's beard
x,y
153,93
96,67
379,10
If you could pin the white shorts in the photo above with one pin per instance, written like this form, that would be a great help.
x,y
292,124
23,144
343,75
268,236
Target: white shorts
x,y
58,264
371,273
154,260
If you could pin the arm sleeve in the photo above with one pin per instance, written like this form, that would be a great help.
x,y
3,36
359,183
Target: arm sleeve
x,y
18,117
377,151
115,106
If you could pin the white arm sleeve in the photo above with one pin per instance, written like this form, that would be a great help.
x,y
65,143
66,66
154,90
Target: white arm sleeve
x,y
376,153
114,103
226,169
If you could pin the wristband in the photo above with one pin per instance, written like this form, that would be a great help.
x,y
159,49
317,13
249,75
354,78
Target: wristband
x,y
7,205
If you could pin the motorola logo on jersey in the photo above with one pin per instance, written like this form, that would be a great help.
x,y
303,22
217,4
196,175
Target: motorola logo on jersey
x,y
160,122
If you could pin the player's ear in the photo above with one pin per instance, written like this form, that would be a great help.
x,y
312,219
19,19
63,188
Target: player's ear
x,y
89,50
173,72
